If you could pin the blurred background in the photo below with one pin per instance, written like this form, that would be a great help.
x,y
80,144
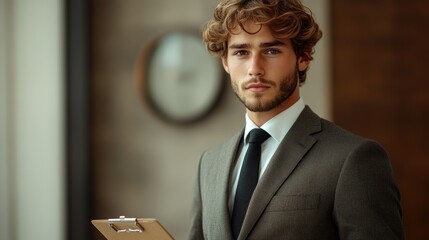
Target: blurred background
x,y
79,139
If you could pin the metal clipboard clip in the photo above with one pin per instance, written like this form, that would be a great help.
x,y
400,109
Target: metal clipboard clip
x,y
113,222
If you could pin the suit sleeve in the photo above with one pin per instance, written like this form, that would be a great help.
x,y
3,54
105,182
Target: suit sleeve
x,y
196,230
367,200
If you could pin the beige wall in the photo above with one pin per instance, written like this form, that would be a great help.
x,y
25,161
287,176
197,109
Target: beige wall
x,y
144,167
4,164
317,91
32,185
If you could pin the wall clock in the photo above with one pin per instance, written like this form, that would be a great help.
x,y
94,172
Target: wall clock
x,y
177,78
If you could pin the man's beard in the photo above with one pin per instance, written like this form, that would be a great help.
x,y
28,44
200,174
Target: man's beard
x,y
287,87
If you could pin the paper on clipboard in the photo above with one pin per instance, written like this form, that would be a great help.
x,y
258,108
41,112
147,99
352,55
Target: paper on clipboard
x,y
123,228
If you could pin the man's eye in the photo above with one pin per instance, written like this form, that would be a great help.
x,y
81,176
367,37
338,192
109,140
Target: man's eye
x,y
272,51
240,53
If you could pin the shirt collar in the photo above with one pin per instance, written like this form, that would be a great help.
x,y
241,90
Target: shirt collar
x,y
279,125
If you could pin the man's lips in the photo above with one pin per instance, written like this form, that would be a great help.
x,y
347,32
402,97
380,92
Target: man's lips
x,y
257,87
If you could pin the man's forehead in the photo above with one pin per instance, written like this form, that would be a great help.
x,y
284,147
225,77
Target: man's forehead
x,y
253,33
248,27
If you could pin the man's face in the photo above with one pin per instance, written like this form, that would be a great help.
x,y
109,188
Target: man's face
x,y
263,69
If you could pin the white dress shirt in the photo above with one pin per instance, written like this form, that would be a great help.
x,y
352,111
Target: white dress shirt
x,y
277,127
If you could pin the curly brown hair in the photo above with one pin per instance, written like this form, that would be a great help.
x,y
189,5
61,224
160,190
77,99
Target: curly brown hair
x,y
287,19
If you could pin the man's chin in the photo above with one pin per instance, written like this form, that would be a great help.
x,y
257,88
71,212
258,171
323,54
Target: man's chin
x,y
258,107
258,103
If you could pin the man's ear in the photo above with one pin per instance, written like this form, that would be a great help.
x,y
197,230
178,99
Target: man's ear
x,y
303,63
225,64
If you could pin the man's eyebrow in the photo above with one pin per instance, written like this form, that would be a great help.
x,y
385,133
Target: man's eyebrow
x,y
274,43
239,45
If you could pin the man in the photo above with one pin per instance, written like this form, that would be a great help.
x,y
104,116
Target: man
x,y
314,180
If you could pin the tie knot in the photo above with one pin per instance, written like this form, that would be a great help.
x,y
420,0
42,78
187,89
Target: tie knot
x,y
258,135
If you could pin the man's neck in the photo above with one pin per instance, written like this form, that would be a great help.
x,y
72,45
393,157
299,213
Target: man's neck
x,y
260,118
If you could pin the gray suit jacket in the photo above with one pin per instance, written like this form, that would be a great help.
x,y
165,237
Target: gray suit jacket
x,y
322,183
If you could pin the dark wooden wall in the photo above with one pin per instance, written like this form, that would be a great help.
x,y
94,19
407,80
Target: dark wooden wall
x,y
381,89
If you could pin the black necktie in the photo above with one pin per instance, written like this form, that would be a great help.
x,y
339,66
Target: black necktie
x,y
248,178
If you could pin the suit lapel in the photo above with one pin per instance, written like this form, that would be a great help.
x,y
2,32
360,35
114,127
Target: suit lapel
x,y
228,156
291,150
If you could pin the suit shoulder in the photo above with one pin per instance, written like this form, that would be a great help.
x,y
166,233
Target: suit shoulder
x,y
335,134
325,131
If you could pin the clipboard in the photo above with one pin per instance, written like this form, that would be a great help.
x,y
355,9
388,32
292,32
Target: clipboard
x,y
123,228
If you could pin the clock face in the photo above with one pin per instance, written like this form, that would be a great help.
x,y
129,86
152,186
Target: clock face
x,y
182,81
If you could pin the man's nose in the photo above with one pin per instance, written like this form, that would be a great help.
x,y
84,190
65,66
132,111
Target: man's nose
x,y
255,66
